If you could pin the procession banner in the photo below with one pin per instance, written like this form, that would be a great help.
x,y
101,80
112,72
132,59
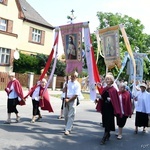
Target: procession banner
x,y
139,66
110,46
94,77
72,43
55,48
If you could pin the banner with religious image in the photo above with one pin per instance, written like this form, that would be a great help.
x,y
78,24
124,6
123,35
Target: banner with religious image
x,y
110,46
72,43
139,66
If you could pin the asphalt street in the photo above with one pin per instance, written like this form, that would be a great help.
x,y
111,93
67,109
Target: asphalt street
x,y
48,134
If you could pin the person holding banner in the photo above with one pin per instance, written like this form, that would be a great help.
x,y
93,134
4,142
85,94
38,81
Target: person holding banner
x,y
15,97
109,106
126,108
40,98
73,90
63,97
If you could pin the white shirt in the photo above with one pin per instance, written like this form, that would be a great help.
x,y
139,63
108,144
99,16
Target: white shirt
x,y
74,88
13,93
142,98
120,98
35,94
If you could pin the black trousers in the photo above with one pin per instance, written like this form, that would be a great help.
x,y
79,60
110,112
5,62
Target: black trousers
x,y
121,121
11,105
35,105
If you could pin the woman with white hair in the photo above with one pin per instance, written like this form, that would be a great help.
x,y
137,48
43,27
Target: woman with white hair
x,y
142,108
15,97
40,99
109,106
126,108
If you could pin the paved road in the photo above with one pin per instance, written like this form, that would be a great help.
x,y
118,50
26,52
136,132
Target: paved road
x,y
49,134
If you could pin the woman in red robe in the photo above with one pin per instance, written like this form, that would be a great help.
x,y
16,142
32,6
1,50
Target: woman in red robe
x,y
109,106
15,97
40,98
126,108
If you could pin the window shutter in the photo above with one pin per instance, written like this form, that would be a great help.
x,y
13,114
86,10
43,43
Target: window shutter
x,y
11,57
43,37
30,34
9,26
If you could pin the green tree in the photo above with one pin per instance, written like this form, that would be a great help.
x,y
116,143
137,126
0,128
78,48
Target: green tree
x,y
60,68
26,63
34,63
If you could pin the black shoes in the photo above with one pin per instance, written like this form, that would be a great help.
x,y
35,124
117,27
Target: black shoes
x,y
105,138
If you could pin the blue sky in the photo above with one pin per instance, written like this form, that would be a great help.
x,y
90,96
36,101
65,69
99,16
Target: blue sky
x,y
56,11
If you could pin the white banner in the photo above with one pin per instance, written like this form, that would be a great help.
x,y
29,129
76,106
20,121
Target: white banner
x,y
88,45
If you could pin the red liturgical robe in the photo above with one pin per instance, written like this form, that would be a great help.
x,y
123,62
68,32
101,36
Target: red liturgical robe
x,y
114,97
126,103
17,88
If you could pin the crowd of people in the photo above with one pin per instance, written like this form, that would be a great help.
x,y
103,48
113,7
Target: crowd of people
x,y
116,100
40,98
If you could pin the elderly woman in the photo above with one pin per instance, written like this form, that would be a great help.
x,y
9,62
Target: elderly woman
x,y
126,108
142,108
109,106
15,97
40,98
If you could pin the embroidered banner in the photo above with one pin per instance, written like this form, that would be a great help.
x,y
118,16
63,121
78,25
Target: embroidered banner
x,y
72,42
110,46
139,66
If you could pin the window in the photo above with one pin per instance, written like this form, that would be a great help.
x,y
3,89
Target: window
x,y
6,25
4,56
3,24
36,35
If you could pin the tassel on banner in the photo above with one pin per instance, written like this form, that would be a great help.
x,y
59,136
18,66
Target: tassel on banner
x,y
99,51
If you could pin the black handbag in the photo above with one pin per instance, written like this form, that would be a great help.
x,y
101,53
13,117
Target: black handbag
x,y
78,102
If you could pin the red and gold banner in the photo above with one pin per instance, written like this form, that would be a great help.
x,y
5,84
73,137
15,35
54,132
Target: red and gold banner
x,y
72,42
110,46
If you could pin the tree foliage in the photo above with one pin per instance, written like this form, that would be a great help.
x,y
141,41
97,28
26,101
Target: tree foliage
x,y
137,38
26,63
60,68
30,63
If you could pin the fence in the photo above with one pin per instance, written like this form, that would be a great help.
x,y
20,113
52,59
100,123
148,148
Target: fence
x,y
24,80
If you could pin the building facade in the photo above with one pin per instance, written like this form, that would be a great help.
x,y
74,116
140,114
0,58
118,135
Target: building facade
x,y
22,29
